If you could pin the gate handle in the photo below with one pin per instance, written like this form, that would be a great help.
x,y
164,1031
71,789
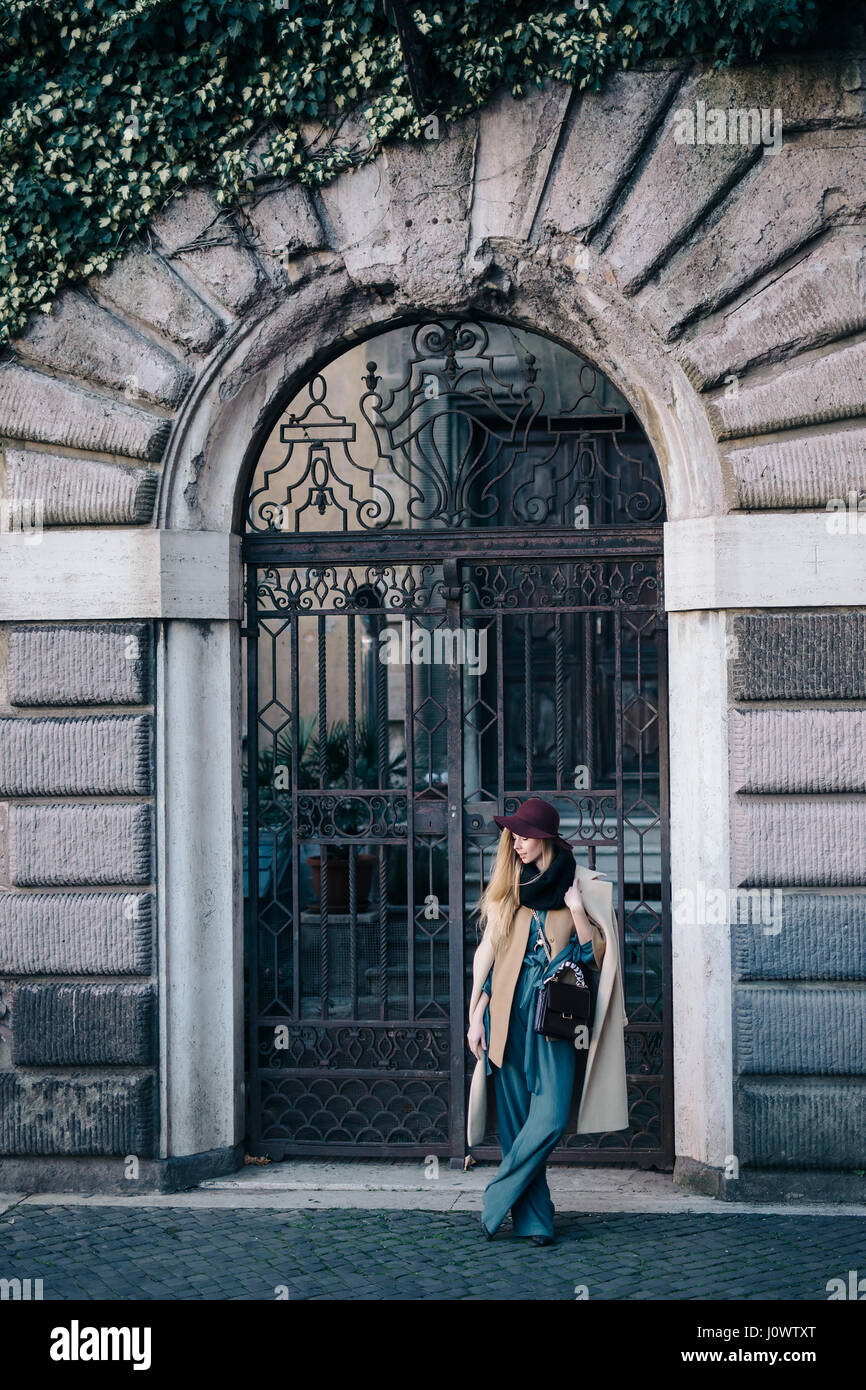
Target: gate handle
x,y
451,578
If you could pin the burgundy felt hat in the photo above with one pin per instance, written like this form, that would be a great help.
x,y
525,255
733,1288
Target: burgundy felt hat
x,y
536,820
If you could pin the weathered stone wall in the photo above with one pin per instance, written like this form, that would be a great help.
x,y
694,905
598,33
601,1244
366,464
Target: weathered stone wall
x,y
720,286
798,774
77,905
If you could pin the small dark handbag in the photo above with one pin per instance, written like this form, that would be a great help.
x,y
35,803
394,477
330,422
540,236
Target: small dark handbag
x,y
561,1007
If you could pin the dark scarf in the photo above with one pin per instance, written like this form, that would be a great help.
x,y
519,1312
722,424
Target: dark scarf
x,y
547,891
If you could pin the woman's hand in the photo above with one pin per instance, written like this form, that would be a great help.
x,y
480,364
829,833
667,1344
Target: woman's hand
x,y
475,1037
574,899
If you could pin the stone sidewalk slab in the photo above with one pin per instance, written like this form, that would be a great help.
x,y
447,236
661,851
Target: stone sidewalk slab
x,y
417,1185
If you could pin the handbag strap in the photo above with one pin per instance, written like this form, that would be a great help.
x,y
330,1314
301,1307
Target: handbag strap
x,y
541,925
536,918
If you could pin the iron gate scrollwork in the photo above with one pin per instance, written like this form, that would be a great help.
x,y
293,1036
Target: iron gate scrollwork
x,y
453,602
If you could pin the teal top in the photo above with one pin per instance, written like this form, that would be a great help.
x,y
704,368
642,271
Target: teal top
x,y
580,952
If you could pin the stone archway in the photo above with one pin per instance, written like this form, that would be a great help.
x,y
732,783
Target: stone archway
x,y
162,377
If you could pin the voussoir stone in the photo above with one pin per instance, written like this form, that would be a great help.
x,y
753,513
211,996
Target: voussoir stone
x,y
821,298
144,286
84,340
201,235
67,756
430,185
78,664
652,223
284,222
605,132
813,182
681,182
76,933
79,491
108,843
805,472
402,220
516,143
812,750
830,387
43,409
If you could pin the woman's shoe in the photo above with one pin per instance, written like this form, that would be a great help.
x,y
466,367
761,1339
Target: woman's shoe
x,y
542,1240
489,1234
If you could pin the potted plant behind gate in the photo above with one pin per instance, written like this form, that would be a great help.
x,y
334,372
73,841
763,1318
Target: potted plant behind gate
x,y
350,815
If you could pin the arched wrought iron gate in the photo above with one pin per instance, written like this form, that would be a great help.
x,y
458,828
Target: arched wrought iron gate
x,y
456,574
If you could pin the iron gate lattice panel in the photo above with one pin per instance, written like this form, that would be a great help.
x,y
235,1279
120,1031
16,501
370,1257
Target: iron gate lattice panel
x,y
359,844
570,708
453,601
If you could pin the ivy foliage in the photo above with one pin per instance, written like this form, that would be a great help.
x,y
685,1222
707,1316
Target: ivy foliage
x,y
109,110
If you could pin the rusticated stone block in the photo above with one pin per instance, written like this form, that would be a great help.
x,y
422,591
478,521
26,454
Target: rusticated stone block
x,y
195,231
821,298
810,841
143,285
801,472
813,750
100,755
49,411
85,341
77,1115
76,933
799,656
832,387
605,133
801,936
808,1030
81,492
93,664
798,1123
797,193
60,1024
86,844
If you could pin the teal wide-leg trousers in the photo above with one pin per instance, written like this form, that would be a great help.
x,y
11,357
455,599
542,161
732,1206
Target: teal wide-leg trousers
x,y
533,1089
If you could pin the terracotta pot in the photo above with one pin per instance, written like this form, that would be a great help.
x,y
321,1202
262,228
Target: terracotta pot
x,y
338,879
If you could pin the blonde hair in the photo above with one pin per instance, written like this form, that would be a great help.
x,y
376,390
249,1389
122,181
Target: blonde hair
x,y
500,900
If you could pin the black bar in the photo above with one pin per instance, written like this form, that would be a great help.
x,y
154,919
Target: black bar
x,y
508,543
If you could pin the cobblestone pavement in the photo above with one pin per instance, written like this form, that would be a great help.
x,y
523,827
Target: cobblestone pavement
x,y
137,1252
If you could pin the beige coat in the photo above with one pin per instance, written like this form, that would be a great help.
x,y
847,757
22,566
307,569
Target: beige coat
x,y
603,1102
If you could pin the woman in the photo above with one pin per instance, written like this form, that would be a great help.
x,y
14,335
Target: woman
x,y
535,921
